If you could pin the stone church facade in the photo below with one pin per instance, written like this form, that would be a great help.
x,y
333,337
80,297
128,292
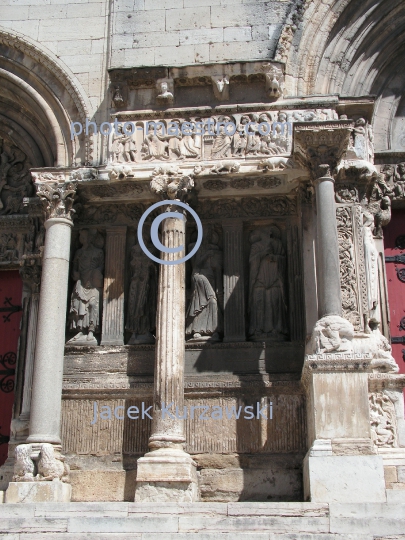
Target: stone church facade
x,y
285,307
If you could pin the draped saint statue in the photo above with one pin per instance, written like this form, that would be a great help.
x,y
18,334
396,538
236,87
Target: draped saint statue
x,y
142,297
267,296
87,271
204,313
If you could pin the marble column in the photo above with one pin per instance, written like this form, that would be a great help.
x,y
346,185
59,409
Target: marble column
x,y
46,399
167,472
327,246
113,295
234,299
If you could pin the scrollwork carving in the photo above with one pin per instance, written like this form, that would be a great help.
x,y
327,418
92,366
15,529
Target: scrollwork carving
x,y
382,420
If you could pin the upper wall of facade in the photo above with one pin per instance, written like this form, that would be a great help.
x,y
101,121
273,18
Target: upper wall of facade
x,y
184,32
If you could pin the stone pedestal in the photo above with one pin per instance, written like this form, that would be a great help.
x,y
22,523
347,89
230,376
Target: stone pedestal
x,y
341,464
34,492
167,472
113,294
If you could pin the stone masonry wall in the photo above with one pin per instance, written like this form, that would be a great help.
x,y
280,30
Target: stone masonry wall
x,y
183,32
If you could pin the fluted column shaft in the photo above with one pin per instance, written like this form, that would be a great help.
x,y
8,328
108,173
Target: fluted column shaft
x,y
328,272
234,298
113,295
169,356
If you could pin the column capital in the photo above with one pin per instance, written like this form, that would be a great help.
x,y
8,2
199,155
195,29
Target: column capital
x,y
57,198
169,182
320,146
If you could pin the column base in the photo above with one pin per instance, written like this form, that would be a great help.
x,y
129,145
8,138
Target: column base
x,y
33,492
166,475
344,479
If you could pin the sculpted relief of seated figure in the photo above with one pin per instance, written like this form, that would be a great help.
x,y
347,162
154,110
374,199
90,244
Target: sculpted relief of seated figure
x,y
267,286
87,272
204,319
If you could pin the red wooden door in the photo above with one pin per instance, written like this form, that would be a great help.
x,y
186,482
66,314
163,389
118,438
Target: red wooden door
x,y
394,250
10,316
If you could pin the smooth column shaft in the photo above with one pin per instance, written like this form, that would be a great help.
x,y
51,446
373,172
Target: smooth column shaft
x,y
46,399
328,271
170,328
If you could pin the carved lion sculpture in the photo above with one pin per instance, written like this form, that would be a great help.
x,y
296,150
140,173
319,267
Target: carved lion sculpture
x,y
120,172
272,163
23,466
331,334
51,465
226,167
379,346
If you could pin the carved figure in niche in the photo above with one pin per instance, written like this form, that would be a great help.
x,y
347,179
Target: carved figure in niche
x,y
382,420
222,144
399,189
165,96
267,295
15,179
155,145
191,144
239,141
253,138
117,97
87,271
123,146
8,248
204,313
142,296
371,260
382,217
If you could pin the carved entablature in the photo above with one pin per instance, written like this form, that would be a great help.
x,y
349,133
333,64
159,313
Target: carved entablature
x,y
195,135
165,87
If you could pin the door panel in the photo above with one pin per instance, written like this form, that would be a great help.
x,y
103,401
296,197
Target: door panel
x,y
394,251
10,316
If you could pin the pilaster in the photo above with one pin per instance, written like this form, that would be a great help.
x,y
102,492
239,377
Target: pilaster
x,y
113,294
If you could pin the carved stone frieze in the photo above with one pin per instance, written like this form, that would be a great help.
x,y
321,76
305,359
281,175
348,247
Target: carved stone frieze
x,y
57,198
348,271
9,244
200,136
111,191
247,207
383,420
247,182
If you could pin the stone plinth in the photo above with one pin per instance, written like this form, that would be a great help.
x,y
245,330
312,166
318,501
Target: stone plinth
x,y
341,464
33,492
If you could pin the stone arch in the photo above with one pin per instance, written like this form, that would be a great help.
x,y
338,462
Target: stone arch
x,y
353,48
39,98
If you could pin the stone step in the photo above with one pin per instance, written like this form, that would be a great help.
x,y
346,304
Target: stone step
x,y
202,521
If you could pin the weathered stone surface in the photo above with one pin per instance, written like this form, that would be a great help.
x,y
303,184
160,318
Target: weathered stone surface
x,y
155,523
97,485
381,519
30,492
345,478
